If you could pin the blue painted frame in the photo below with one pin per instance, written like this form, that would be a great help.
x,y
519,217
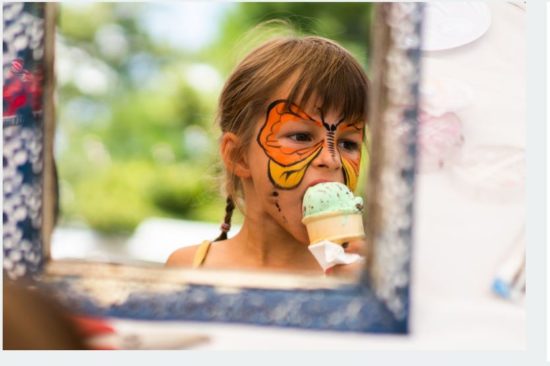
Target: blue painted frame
x,y
359,307
352,308
23,128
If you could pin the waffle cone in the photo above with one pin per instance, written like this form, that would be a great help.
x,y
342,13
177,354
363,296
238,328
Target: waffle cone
x,y
334,227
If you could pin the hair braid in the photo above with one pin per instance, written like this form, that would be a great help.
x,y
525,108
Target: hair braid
x,y
226,226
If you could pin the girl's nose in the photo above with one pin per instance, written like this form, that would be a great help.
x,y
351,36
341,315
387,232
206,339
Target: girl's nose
x,y
329,157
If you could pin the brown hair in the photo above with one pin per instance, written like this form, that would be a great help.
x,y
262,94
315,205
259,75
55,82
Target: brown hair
x,y
322,69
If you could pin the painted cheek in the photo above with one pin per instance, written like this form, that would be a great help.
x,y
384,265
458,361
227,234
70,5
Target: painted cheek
x,y
350,168
289,177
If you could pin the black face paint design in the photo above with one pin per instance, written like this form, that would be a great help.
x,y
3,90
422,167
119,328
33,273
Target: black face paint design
x,y
274,196
280,211
331,129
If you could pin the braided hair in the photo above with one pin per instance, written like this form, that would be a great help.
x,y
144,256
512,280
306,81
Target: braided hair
x,y
226,225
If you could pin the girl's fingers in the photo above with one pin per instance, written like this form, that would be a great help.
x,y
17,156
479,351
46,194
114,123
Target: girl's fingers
x,y
357,246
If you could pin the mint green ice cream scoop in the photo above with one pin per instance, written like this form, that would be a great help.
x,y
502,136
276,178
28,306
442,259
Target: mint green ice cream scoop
x,y
330,197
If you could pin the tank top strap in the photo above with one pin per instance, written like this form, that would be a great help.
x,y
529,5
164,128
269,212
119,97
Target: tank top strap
x,y
200,254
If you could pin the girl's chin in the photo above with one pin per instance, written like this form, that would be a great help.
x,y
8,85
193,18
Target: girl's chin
x,y
302,237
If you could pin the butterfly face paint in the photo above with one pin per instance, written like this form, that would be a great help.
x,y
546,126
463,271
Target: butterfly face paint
x,y
289,162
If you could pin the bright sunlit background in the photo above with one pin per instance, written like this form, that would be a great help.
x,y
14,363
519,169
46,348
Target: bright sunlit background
x,y
137,88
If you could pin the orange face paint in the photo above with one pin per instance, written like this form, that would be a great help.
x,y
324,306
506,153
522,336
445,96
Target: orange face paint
x,y
287,165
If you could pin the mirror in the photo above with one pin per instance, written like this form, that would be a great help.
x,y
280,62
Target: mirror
x,y
94,121
137,141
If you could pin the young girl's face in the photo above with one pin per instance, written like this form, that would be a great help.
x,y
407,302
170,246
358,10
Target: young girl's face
x,y
297,147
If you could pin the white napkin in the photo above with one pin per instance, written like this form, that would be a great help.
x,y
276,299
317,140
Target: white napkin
x,y
329,254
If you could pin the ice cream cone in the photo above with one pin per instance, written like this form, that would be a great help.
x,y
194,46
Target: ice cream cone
x,y
331,212
335,227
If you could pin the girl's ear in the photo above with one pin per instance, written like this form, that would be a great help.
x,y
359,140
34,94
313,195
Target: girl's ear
x,y
234,162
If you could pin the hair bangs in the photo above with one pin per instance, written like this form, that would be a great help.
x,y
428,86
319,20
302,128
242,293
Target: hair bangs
x,y
334,83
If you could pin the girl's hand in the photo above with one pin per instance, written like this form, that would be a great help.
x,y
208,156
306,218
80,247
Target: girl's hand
x,y
350,270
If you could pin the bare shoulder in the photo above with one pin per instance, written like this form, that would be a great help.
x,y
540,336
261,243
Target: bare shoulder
x,y
182,257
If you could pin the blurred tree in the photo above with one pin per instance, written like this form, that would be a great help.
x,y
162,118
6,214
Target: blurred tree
x,y
346,23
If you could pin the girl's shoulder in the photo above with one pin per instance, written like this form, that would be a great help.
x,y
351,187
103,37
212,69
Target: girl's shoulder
x,y
186,256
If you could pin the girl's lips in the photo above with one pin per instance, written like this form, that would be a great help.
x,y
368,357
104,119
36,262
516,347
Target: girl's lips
x,y
317,181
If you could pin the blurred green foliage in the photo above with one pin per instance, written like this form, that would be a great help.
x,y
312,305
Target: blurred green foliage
x,y
135,135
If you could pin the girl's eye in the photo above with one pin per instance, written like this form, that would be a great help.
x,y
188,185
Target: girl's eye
x,y
301,137
349,145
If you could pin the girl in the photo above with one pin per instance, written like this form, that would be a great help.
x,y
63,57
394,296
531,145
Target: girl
x,y
292,115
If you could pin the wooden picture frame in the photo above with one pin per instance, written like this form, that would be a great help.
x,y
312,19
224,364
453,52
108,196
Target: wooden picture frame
x,y
377,302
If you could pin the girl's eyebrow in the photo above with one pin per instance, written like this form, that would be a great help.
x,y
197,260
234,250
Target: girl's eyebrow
x,y
349,132
297,115
358,125
304,123
290,105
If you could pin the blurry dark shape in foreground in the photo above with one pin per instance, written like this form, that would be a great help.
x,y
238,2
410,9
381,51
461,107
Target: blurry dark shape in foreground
x,y
34,321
